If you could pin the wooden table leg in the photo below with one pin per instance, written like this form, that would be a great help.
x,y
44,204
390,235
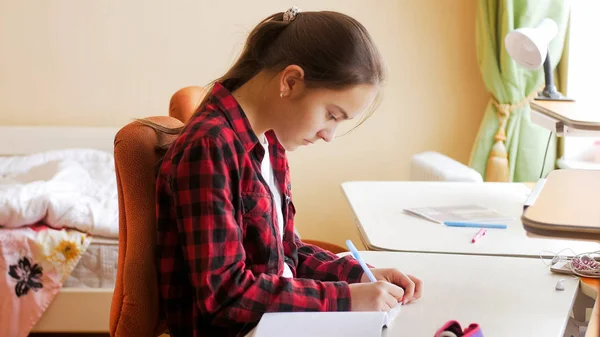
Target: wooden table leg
x,y
593,328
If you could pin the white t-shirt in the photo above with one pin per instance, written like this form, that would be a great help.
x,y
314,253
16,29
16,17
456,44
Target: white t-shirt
x,y
269,176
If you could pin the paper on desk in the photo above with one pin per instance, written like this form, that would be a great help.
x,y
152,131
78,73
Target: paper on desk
x,y
458,213
325,324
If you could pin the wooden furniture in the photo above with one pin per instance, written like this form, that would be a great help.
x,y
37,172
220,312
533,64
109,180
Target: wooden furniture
x,y
591,288
332,247
593,329
567,206
565,118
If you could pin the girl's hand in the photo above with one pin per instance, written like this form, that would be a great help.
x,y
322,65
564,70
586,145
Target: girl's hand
x,y
413,287
375,296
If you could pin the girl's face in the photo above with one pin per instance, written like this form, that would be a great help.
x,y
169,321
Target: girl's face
x,y
307,115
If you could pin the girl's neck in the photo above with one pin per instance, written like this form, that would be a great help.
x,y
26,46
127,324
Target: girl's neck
x,y
253,98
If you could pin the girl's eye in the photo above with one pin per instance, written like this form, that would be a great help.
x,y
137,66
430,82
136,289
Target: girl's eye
x,y
332,116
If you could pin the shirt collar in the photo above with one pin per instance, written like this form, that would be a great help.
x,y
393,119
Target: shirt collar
x,y
224,100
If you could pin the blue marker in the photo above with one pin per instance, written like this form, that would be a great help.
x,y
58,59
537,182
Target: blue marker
x,y
358,258
474,224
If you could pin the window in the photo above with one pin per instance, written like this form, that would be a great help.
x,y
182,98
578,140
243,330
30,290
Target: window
x,y
583,83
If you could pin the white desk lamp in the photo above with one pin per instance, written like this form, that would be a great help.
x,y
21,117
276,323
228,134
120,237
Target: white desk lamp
x,y
529,48
550,109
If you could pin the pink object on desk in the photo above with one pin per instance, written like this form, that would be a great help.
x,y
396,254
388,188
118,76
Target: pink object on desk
x,y
453,328
478,235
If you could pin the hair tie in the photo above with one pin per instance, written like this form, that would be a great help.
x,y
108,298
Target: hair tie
x,y
290,14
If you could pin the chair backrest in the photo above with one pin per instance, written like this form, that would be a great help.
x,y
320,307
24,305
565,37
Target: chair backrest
x,y
185,101
135,302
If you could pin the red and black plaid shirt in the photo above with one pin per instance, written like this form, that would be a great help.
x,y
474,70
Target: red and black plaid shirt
x,y
220,259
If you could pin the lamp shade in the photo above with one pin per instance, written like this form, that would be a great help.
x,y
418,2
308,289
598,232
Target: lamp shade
x,y
529,46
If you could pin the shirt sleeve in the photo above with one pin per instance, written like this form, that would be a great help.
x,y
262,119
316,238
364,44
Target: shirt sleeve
x,y
320,264
211,241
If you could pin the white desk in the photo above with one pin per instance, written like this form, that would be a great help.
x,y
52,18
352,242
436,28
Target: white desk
x,y
506,296
384,226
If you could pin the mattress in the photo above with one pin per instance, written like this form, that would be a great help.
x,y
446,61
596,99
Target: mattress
x,y
97,267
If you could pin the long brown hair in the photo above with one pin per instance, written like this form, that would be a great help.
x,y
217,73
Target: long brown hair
x,y
334,50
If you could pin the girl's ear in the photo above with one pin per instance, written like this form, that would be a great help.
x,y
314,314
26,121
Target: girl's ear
x,y
292,81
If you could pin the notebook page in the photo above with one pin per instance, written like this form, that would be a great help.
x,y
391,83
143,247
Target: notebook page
x,y
321,324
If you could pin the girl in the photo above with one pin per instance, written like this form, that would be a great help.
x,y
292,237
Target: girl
x,y
226,243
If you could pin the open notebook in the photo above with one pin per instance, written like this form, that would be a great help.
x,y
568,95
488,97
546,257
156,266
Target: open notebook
x,y
325,324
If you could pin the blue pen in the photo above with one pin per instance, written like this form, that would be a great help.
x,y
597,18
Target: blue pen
x,y
358,258
474,224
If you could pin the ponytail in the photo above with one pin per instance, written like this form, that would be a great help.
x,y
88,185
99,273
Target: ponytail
x,y
333,49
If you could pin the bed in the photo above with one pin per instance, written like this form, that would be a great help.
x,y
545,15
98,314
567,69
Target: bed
x,y
83,303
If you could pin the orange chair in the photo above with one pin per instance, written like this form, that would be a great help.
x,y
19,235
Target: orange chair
x,y
135,304
184,102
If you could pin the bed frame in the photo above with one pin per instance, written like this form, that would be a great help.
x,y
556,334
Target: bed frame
x,y
73,309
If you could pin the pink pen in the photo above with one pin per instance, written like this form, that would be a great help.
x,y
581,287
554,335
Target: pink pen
x,y
478,235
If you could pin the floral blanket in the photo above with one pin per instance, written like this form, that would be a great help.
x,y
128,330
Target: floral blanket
x,y
34,262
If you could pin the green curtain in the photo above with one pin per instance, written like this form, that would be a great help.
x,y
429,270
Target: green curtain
x,y
509,85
